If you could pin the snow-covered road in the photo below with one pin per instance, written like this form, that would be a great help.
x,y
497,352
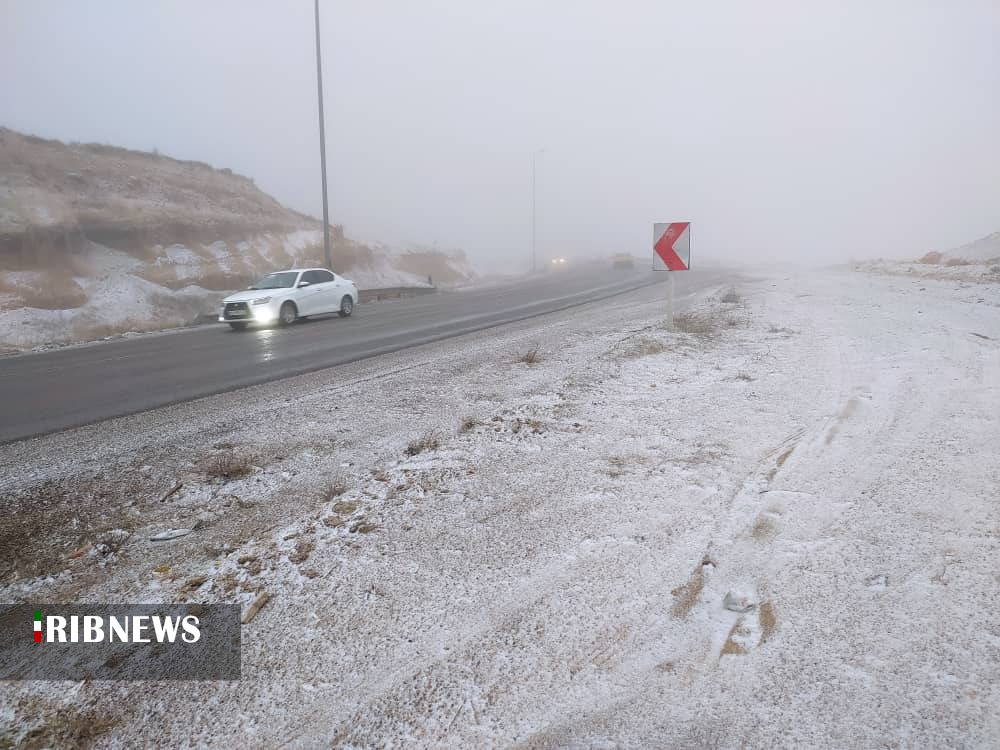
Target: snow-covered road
x,y
778,526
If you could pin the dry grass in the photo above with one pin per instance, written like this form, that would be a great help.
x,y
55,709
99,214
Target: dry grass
x,y
618,464
250,563
468,424
697,324
429,441
957,262
642,346
303,548
63,727
768,621
228,465
527,423
337,487
731,297
763,529
686,595
731,646
345,507
108,186
531,357
67,519
46,290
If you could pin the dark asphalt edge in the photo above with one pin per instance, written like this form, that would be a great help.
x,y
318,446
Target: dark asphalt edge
x,y
368,354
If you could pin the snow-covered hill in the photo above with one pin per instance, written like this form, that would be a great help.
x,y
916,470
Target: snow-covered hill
x,y
983,250
97,240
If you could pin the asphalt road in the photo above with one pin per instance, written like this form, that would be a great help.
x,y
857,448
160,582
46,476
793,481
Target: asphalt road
x,y
59,389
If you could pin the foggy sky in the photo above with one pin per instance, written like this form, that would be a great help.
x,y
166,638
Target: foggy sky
x,y
797,129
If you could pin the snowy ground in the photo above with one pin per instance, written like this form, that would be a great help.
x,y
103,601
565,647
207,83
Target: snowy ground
x,y
777,527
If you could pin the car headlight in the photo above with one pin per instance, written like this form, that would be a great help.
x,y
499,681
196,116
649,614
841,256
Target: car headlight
x,y
261,301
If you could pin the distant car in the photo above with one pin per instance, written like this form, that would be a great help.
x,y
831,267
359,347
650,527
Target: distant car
x,y
558,263
286,296
623,260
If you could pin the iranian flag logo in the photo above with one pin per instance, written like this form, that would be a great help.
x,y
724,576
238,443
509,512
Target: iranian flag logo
x,y
38,626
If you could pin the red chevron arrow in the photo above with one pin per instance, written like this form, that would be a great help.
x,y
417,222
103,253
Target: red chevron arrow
x,y
664,246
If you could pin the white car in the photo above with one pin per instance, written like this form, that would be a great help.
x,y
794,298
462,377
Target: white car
x,y
286,296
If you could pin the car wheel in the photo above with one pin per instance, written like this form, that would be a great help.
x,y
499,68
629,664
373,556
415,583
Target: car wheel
x,y
346,306
238,326
288,314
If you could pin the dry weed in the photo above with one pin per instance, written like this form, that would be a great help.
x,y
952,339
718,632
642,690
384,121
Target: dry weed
x,y
427,442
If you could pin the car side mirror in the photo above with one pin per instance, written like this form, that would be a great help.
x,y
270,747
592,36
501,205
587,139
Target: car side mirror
x,y
303,283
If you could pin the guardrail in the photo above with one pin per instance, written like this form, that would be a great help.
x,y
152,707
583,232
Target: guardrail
x,y
394,292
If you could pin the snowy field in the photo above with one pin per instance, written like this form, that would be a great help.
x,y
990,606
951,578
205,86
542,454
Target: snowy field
x,y
777,526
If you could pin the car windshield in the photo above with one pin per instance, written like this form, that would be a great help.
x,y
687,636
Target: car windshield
x,y
283,280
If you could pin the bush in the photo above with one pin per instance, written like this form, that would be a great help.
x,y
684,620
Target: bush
x,y
531,356
229,465
427,442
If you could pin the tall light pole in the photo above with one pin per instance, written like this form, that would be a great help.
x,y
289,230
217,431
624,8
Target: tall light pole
x,y
534,159
322,145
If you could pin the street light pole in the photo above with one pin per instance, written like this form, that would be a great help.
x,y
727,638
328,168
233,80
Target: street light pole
x,y
534,260
322,145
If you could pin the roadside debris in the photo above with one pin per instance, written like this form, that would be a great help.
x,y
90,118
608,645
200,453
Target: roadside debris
x,y
81,552
735,603
171,491
262,598
169,534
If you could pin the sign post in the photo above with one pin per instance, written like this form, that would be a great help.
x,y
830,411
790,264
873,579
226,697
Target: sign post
x,y
671,252
670,302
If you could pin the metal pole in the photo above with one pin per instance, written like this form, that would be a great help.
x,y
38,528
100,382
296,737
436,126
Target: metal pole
x,y
322,146
534,160
670,300
534,157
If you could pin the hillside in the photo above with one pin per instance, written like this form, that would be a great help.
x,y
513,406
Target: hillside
x,y
983,250
97,240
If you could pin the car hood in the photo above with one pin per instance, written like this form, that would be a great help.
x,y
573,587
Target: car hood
x,y
252,294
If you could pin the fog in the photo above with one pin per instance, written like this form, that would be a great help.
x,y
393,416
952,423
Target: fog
x,y
782,130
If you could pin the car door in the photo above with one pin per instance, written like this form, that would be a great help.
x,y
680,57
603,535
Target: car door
x,y
309,298
328,299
